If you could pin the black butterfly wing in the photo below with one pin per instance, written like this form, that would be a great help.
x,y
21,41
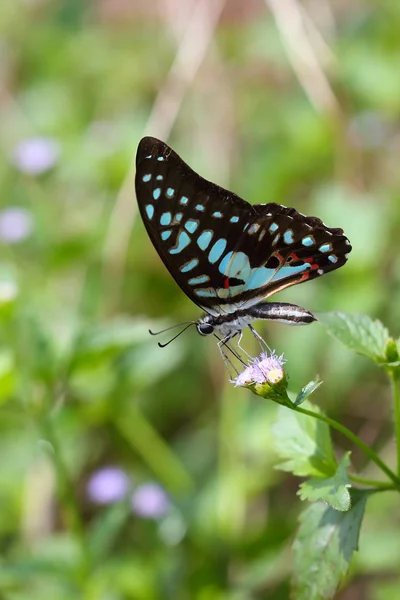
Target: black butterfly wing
x,y
185,215
282,248
223,252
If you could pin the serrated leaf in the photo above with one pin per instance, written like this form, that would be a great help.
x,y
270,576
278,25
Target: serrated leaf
x,y
306,391
358,332
304,442
333,490
324,546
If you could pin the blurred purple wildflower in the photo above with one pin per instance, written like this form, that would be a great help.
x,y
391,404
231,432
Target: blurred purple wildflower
x,y
15,224
150,501
263,369
107,485
36,155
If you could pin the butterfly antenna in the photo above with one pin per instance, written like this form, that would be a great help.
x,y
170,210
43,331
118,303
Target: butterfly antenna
x,y
169,328
175,336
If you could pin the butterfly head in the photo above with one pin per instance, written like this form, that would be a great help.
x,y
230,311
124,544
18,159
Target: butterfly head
x,y
205,325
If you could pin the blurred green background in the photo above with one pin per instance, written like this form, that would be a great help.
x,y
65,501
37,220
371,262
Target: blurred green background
x,y
131,472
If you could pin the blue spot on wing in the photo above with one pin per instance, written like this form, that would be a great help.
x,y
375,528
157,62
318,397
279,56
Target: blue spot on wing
x,y
288,237
165,218
203,241
157,193
325,248
191,225
166,234
181,243
308,241
217,250
288,271
199,279
146,178
206,292
258,278
190,265
150,211
235,265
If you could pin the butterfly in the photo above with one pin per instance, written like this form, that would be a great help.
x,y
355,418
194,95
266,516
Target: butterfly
x,y
227,255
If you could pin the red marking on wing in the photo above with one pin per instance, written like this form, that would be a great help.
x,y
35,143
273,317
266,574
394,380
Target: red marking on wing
x,y
226,283
311,262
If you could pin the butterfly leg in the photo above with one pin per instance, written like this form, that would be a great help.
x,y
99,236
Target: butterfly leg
x,y
227,361
242,349
224,343
260,340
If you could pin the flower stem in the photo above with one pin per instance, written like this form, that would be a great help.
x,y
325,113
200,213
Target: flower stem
x,y
355,439
396,401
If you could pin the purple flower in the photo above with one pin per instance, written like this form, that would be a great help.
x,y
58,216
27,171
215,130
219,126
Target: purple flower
x,y
263,369
15,224
271,367
107,485
150,501
34,156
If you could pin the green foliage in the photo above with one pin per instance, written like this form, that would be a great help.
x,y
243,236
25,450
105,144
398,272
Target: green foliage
x,y
84,387
304,443
324,547
306,391
332,490
358,332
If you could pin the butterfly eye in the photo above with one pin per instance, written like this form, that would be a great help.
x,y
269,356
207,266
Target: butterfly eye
x,y
205,328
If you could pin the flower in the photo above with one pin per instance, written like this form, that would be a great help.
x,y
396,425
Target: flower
x,y
271,367
150,501
16,224
107,485
265,376
34,156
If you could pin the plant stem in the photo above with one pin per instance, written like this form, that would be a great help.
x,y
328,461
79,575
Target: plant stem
x,y
67,497
396,401
355,439
373,483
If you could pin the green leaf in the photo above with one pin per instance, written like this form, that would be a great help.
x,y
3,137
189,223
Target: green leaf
x,y
358,332
391,351
324,546
106,528
305,443
333,490
306,391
